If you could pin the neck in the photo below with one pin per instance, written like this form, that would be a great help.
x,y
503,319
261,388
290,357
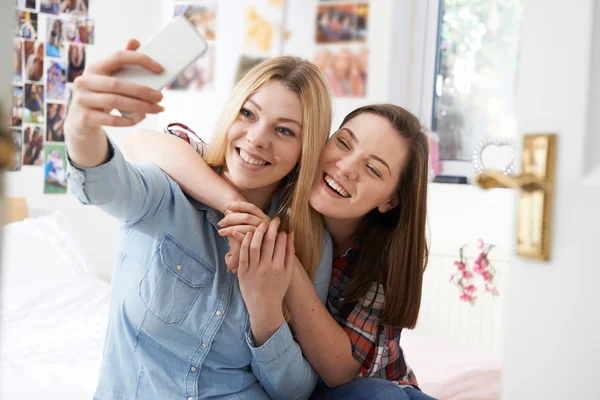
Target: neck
x,y
259,197
343,232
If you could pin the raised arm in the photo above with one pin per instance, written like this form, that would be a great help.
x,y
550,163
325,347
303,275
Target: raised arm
x,y
184,165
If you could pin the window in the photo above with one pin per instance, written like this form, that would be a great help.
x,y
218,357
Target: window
x,y
472,72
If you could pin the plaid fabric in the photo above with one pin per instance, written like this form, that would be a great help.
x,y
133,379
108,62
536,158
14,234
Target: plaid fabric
x,y
374,345
183,132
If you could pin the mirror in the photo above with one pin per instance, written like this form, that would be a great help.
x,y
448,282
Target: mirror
x,y
495,153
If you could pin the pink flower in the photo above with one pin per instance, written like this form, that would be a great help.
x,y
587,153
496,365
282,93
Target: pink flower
x,y
480,244
487,276
460,265
477,268
467,274
470,289
466,297
488,288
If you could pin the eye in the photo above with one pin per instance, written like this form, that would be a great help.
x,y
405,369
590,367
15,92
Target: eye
x,y
246,113
343,143
374,171
285,131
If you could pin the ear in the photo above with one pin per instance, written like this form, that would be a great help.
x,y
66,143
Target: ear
x,y
388,205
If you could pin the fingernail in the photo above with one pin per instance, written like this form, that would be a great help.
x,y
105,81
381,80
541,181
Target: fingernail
x,y
160,108
227,212
221,232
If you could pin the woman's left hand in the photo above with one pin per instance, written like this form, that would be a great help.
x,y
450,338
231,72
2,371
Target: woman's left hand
x,y
265,271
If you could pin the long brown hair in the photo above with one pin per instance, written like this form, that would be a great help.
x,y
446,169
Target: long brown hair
x,y
305,79
393,249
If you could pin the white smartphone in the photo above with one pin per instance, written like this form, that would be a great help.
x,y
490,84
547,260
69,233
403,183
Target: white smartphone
x,y
175,47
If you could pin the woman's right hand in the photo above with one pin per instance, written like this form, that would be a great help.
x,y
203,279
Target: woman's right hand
x,y
97,93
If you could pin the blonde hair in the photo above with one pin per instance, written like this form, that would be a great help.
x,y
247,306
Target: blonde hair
x,y
305,79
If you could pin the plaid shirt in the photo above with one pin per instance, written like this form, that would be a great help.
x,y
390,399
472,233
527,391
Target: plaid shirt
x,y
374,345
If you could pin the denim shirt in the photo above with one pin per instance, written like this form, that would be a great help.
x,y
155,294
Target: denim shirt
x,y
178,326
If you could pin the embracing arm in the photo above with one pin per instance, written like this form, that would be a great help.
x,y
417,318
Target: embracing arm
x,y
184,165
324,342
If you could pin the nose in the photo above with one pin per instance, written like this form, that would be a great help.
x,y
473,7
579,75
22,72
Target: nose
x,y
258,136
347,166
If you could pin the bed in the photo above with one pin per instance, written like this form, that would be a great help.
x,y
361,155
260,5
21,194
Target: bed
x,y
55,309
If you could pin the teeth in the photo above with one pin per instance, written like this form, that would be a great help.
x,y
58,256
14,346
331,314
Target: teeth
x,y
335,186
246,157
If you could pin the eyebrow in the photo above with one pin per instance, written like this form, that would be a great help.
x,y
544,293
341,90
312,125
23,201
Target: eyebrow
x,y
282,119
355,140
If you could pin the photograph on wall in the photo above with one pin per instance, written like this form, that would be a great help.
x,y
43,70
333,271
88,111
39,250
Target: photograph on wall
x,y
76,62
245,64
79,30
74,7
199,75
17,137
17,73
55,164
345,68
55,122
27,24
26,4
203,15
56,80
33,144
33,110
16,118
341,22
54,38
34,60
258,32
50,6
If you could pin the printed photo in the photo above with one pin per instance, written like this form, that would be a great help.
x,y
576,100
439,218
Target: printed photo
x,y
34,60
33,144
342,22
17,98
17,77
258,32
33,112
17,136
245,64
54,38
346,70
56,80
16,118
27,24
55,164
74,7
55,122
201,15
26,4
79,30
199,76
52,6
76,62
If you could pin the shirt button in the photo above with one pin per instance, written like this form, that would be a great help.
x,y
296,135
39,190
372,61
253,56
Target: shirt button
x,y
190,398
179,267
193,369
204,345
218,313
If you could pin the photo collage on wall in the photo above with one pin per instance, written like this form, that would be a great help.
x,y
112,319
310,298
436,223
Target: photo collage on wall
x,y
200,76
341,46
49,52
263,33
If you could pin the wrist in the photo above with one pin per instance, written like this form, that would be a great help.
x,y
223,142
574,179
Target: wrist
x,y
264,324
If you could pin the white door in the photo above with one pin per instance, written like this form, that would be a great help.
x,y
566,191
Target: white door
x,y
552,346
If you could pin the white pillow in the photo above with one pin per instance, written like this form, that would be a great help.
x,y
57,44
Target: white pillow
x,y
39,249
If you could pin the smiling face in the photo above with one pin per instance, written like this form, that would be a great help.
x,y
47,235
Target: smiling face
x,y
265,141
360,169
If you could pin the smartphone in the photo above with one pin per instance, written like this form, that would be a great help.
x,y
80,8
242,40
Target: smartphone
x,y
175,47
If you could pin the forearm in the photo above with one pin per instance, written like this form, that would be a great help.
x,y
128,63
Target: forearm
x,y
324,343
264,323
184,165
87,149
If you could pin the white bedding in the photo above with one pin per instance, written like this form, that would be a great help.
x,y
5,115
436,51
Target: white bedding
x,y
54,314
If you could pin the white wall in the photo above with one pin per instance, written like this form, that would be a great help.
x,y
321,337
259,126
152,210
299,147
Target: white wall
x,y
458,213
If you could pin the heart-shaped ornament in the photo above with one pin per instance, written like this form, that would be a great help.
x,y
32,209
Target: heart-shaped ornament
x,y
495,153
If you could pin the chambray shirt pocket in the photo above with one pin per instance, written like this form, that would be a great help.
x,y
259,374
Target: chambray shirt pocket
x,y
174,280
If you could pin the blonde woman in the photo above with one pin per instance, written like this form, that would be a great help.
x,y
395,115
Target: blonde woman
x,y
181,325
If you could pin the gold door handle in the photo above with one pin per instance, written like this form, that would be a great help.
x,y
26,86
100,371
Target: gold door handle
x,y
536,187
528,182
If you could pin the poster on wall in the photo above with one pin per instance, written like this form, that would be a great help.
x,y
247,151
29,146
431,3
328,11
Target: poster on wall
x,y
55,163
49,52
17,137
341,52
200,75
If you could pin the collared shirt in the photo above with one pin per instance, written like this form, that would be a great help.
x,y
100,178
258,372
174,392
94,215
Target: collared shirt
x,y
375,345
178,326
